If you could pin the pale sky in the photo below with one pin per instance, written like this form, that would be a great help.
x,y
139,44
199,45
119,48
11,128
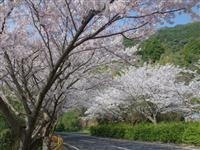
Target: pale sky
x,y
182,19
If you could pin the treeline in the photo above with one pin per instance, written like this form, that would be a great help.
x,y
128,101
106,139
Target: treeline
x,y
179,45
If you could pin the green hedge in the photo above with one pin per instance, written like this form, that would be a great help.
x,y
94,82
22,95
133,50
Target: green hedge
x,y
109,130
69,122
180,132
191,134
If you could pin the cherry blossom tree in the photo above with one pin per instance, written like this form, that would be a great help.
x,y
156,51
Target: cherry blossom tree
x,y
156,89
106,105
149,91
47,47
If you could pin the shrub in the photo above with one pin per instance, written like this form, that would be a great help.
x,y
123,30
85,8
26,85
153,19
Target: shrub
x,y
60,127
110,130
192,134
170,117
179,132
69,122
163,132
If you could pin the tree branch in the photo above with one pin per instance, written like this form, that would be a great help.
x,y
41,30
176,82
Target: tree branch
x,y
153,13
51,78
15,81
4,20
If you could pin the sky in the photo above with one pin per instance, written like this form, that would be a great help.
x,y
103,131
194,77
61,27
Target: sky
x,y
182,19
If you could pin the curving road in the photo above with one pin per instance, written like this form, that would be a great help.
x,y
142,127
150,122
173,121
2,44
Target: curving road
x,y
84,142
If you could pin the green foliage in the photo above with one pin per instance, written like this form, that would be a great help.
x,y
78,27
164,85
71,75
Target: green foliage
x,y
3,123
133,117
6,136
170,117
151,50
191,51
69,122
178,132
60,127
179,45
172,58
6,139
195,100
129,42
175,38
192,134
109,130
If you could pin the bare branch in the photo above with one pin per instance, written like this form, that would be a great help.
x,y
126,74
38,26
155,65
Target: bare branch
x,y
121,32
154,13
71,15
15,81
4,20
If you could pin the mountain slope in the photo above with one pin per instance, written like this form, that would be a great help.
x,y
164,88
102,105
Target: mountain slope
x,y
179,45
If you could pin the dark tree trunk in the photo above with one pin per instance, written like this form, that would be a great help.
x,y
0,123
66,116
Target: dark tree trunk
x,y
30,144
25,142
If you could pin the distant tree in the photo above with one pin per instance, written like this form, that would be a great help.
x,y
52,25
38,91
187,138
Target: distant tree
x,y
174,41
106,105
151,50
191,51
154,90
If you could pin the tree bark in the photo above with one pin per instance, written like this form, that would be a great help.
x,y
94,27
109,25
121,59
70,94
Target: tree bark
x,y
152,119
30,144
27,144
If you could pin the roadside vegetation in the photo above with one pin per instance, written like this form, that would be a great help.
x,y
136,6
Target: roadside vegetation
x,y
174,132
69,122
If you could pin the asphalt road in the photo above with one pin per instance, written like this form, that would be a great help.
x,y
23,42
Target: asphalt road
x,y
84,142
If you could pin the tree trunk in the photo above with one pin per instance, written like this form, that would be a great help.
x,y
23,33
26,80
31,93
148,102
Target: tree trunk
x,y
46,145
30,144
24,146
25,143
152,119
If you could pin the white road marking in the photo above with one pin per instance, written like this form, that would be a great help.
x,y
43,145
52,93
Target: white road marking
x,y
122,148
71,146
87,141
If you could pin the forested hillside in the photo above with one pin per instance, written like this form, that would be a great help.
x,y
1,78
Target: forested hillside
x,y
179,45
